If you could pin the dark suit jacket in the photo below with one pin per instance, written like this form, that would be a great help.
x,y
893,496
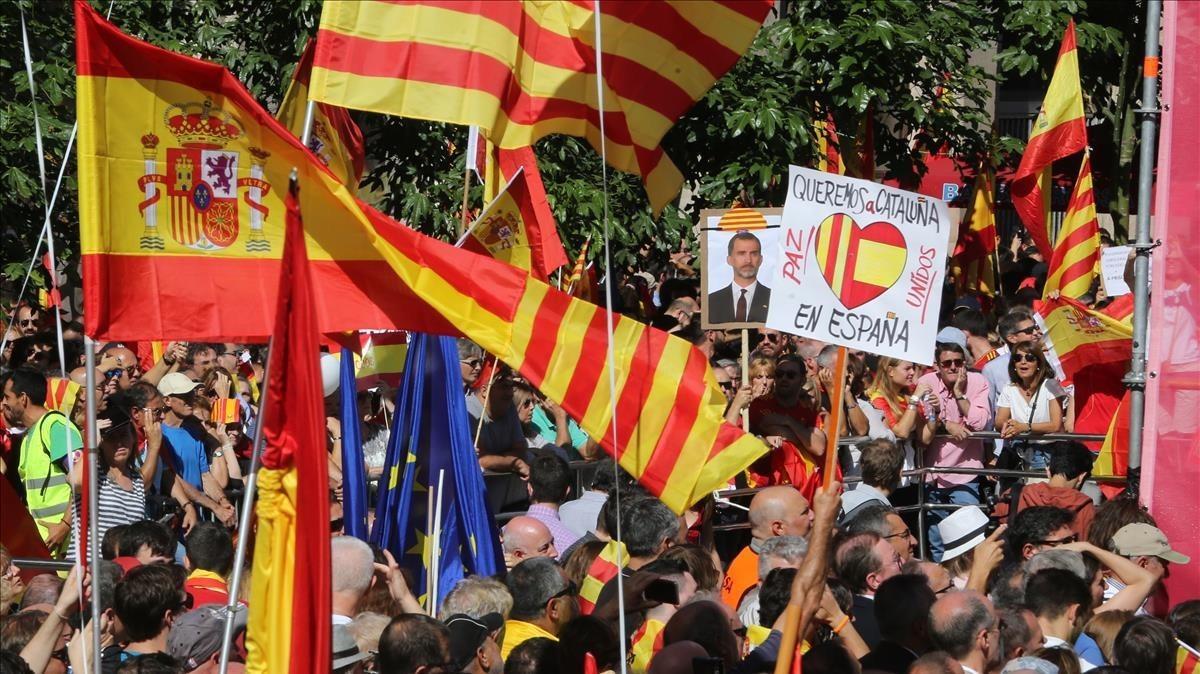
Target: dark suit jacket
x,y
864,620
888,657
720,305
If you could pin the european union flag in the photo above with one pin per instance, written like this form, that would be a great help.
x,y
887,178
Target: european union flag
x,y
430,435
354,472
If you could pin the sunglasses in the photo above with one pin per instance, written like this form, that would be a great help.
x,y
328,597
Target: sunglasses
x,y
569,591
727,385
28,321
1028,331
955,362
185,398
1024,358
473,363
1062,541
786,374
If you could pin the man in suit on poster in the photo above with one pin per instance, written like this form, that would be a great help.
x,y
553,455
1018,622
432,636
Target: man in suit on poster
x,y
745,300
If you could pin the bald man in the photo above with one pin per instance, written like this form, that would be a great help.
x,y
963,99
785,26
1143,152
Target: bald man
x,y
965,626
525,537
127,362
774,511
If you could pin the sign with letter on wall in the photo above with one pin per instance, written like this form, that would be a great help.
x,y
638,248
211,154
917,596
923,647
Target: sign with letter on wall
x,y
860,265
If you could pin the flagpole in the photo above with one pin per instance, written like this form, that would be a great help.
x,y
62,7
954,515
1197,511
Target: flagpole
x,y
608,316
435,542
93,477
466,200
746,376
1136,379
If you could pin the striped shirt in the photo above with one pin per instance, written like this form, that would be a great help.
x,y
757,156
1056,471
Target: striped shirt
x,y
115,505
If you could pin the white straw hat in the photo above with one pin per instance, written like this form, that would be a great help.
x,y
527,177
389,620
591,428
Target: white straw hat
x,y
962,531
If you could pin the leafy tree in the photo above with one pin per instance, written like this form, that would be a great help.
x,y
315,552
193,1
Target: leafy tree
x,y
905,66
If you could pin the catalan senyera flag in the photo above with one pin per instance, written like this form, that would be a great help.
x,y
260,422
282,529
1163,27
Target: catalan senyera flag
x,y
972,265
576,276
523,70
829,156
180,200
603,569
1076,256
1059,131
61,394
670,431
1113,459
289,628
335,138
647,641
509,228
855,158
1187,660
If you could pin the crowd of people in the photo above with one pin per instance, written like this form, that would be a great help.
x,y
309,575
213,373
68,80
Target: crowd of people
x,y
1043,574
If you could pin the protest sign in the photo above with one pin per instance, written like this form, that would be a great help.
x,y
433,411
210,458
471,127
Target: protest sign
x,y
1112,270
861,265
738,259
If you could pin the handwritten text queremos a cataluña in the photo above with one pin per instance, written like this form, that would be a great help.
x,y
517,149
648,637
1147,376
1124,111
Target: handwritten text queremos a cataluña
x,y
848,326
898,207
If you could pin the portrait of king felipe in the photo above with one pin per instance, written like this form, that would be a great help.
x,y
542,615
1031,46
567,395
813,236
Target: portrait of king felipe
x,y
745,300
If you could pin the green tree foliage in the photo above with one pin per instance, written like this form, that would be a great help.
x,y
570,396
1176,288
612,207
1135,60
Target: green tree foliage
x,y
905,63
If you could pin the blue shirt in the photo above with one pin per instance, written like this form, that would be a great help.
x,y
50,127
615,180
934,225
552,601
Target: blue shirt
x,y
186,454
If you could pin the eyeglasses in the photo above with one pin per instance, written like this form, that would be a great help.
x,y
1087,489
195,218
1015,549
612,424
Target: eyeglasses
x,y
900,534
27,321
528,403
1027,331
944,590
1024,358
954,362
1062,541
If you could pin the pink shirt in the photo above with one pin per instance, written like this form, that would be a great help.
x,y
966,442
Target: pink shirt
x,y
947,452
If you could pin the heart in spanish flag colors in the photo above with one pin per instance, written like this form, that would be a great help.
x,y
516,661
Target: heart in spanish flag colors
x,y
181,174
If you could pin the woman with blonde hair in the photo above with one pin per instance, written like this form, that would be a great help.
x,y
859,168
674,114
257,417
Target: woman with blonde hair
x,y
897,395
1103,629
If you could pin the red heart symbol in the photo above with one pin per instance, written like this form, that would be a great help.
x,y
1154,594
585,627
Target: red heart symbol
x,y
859,263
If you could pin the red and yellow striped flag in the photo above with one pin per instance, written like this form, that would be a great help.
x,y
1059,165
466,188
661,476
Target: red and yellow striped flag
x,y
577,271
647,641
226,411
383,358
520,70
335,138
61,394
670,430
829,156
1077,252
512,227
971,265
1060,130
1113,459
854,157
859,263
1076,336
180,199
289,628
1186,660
603,569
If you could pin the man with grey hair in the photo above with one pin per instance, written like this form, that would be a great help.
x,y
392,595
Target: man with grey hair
x,y
353,566
965,625
1058,558
886,522
1029,665
1020,633
543,601
781,552
477,596
648,529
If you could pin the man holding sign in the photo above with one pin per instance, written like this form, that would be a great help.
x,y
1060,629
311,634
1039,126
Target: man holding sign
x,y
861,265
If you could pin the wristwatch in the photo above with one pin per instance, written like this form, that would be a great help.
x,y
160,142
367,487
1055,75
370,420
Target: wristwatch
x,y
914,400
218,453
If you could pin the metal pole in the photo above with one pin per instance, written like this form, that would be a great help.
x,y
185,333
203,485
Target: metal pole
x,y
1136,379
306,133
239,558
93,478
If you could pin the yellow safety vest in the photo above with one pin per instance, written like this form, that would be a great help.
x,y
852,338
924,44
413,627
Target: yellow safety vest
x,y
47,490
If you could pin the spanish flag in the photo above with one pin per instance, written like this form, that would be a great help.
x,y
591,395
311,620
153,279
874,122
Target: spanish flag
x,y
971,265
1077,252
182,175
1059,131
382,360
523,70
289,628
510,228
1079,337
335,138
670,431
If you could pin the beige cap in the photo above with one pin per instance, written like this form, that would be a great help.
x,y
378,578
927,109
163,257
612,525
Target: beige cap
x,y
1143,540
176,383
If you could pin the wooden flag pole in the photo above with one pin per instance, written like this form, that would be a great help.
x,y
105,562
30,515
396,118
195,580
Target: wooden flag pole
x,y
793,616
746,376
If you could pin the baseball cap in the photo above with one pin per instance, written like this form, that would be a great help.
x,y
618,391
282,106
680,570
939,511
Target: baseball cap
x,y
345,648
176,383
952,336
1143,540
196,635
968,302
467,635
